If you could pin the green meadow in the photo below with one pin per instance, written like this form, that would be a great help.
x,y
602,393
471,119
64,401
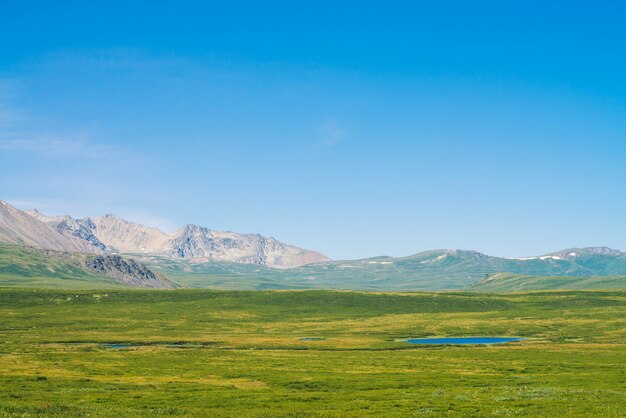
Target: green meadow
x,y
238,353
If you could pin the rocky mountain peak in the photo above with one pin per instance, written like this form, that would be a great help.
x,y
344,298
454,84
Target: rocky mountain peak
x,y
192,229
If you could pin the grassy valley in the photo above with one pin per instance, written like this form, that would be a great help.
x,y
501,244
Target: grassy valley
x,y
225,353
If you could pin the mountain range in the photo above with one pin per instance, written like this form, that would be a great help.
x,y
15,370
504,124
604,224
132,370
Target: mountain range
x,y
196,256
110,234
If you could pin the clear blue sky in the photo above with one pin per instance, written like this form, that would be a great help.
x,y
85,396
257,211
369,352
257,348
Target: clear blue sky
x,y
357,129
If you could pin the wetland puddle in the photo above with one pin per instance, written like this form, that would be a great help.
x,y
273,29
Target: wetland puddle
x,y
118,345
156,344
134,344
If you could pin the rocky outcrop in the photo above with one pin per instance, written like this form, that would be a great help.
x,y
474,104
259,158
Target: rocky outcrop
x,y
126,271
83,229
194,241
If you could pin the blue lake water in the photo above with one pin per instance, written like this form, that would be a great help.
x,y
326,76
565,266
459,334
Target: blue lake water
x,y
463,340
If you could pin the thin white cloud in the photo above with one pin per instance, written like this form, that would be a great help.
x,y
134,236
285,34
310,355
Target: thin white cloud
x,y
54,146
333,134
128,59
9,116
5,115
18,136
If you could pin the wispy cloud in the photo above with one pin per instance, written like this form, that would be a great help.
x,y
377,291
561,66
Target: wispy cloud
x,y
333,134
54,146
63,170
5,115
110,58
17,134
9,116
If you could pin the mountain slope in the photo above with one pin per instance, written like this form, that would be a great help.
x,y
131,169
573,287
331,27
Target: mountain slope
x,y
32,267
128,237
506,282
18,227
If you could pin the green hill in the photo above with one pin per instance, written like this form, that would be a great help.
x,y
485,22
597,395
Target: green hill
x,y
431,270
30,267
375,274
506,282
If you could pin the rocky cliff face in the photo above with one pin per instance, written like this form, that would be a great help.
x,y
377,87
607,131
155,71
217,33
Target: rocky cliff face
x,y
82,229
126,271
196,242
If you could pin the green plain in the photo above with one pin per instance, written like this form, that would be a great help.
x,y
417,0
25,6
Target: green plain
x,y
237,353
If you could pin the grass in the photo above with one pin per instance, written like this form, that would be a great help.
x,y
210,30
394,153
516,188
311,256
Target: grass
x,y
238,353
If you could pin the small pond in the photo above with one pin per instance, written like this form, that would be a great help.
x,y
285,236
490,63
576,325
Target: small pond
x,y
463,340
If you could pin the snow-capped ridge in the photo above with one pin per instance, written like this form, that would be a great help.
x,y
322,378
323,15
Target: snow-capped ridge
x,y
573,253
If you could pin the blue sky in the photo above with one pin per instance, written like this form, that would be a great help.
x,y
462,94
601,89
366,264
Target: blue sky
x,y
357,129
